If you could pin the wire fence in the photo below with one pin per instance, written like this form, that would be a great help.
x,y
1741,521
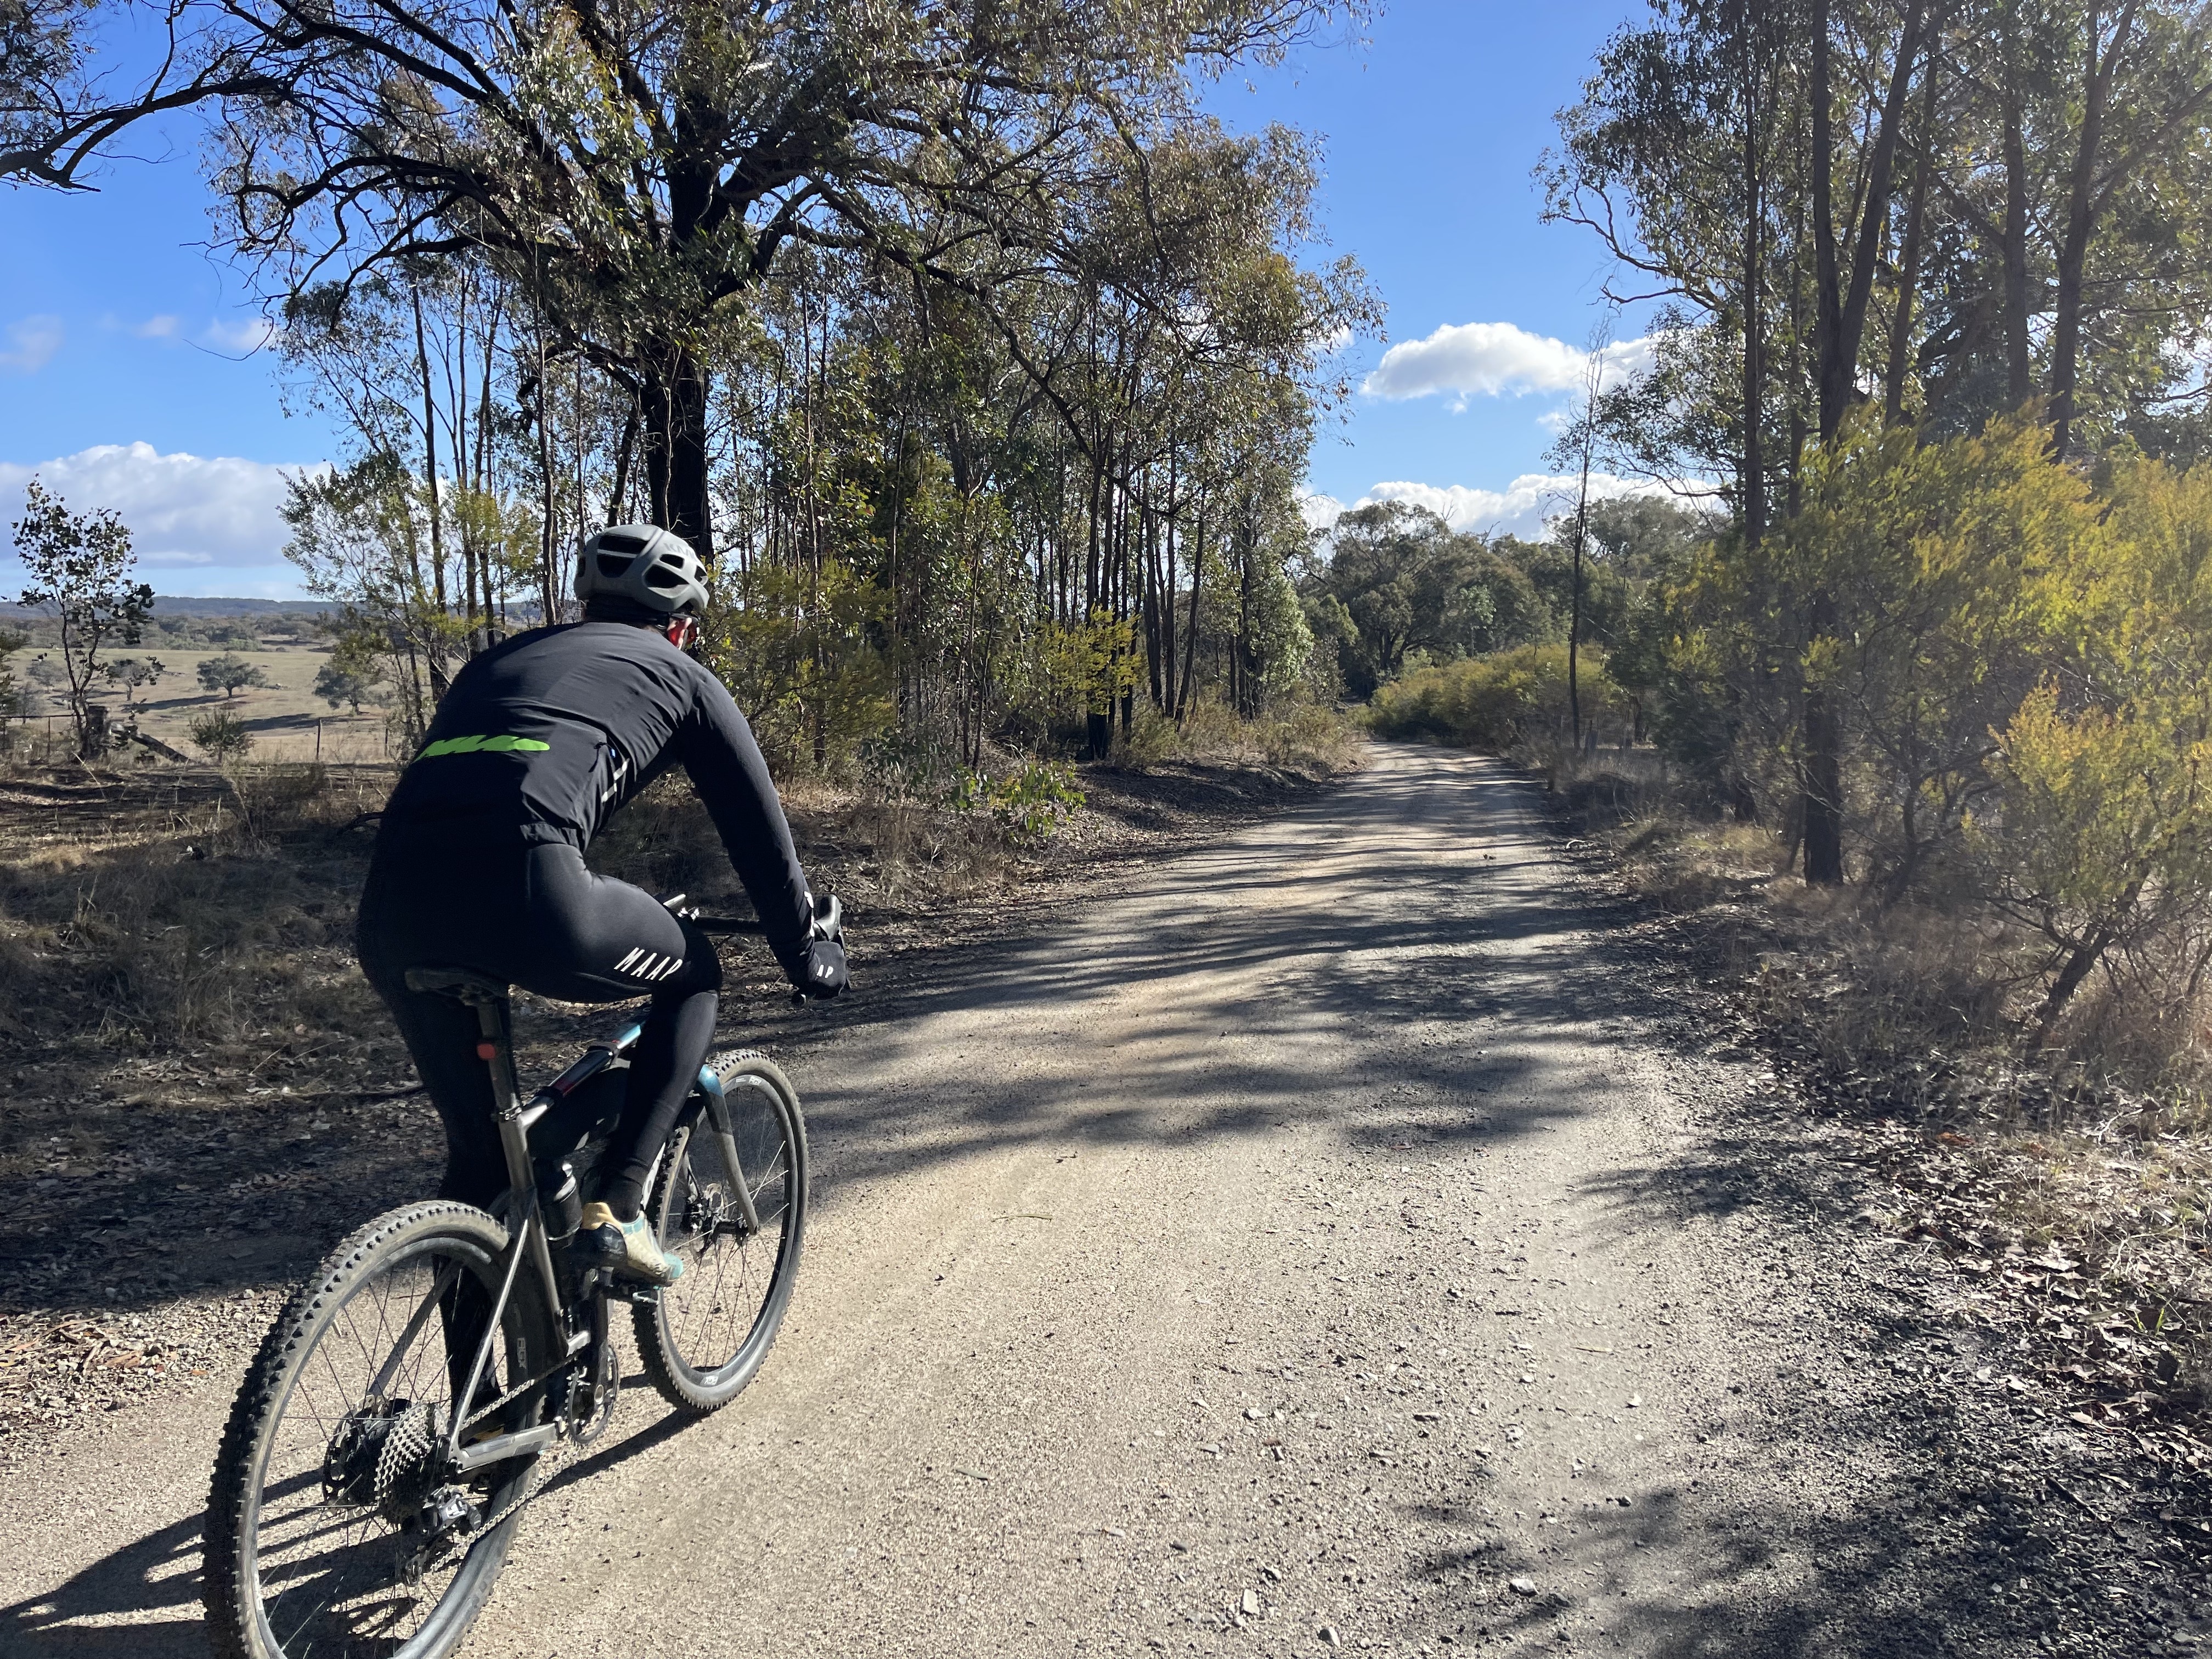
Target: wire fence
x,y
51,740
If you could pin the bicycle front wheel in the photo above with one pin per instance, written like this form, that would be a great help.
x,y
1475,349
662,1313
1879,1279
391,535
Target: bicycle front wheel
x,y
334,1526
704,1337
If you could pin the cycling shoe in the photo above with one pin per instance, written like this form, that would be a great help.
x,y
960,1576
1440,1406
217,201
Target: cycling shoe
x,y
628,1248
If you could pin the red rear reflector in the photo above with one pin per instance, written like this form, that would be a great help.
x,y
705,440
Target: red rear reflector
x,y
486,1051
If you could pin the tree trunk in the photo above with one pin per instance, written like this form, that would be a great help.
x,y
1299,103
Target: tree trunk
x,y
549,575
1840,320
674,397
1752,484
1823,772
1908,271
619,492
2080,961
1149,537
1190,635
430,467
2019,379
2081,204
1575,609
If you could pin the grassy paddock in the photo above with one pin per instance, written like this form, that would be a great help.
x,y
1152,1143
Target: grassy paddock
x,y
288,721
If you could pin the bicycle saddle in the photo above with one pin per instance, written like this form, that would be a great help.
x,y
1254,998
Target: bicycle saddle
x,y
464,984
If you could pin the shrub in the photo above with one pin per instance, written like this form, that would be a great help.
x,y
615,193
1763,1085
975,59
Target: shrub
x,y
1029,805
1513,699
220,736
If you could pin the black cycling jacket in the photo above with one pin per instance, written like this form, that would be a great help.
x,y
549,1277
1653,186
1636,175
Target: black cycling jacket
x,y
545,736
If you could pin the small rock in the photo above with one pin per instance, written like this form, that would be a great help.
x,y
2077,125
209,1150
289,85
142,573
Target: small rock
x,y
1252,1413
1331,1637
1270,1575
1522,1586
1251,1605
1635,1400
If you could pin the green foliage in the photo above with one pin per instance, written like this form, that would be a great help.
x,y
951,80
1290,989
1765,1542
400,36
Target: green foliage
x,y
1931,561
2103,834
1399,584
355,671
794,647
133,674
230,674
345,685
15,696
79,567
1509,700
220,736
1029,805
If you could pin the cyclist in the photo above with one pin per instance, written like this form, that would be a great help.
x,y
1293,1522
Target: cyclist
x,y
479,864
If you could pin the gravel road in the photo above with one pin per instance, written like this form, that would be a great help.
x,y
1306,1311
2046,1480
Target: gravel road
x,y
1339,1238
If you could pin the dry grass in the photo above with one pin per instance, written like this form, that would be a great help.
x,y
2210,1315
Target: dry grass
x,y
1308,739
875,850
170,920
2095,1154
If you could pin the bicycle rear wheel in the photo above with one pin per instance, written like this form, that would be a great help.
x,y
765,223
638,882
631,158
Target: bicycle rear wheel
x,y
703,1337
332,1528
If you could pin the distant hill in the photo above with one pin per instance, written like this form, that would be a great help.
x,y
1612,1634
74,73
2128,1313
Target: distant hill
x,y
166,604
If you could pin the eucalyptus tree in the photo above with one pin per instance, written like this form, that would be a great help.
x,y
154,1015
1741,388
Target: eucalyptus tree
x,y
638,170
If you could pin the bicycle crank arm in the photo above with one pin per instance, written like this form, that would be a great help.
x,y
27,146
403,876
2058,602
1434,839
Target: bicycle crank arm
x,y
501,1447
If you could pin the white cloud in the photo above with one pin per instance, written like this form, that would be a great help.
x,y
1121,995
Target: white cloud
x,y
31,343
186,511
1491,359
163,327
1320,511
1522,508
247,336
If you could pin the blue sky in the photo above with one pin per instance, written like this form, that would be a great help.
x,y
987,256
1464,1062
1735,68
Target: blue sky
x,y
126,377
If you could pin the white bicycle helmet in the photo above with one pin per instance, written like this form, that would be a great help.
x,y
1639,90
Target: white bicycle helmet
x,y
643,564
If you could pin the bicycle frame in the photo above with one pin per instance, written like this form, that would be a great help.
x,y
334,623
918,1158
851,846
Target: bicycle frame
x,y
526,1223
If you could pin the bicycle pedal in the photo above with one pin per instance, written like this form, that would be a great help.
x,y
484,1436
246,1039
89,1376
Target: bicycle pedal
x,y
638,1296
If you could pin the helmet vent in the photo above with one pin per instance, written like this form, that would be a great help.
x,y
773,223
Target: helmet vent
x,y
639,567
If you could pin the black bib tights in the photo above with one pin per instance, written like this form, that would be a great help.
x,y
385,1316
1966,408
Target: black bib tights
x,y
535,916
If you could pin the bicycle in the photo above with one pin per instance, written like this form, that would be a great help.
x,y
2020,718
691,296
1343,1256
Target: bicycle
x,y
375,1520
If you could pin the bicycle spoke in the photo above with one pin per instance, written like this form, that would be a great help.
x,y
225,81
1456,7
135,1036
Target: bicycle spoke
x,y
333,1576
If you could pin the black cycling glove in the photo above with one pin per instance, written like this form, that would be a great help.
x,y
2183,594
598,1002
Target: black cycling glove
x,y
821,971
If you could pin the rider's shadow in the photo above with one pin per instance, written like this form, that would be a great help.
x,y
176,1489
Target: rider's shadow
x,y
108,1610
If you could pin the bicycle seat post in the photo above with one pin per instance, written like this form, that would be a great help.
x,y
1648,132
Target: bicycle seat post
x,y
495,1048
